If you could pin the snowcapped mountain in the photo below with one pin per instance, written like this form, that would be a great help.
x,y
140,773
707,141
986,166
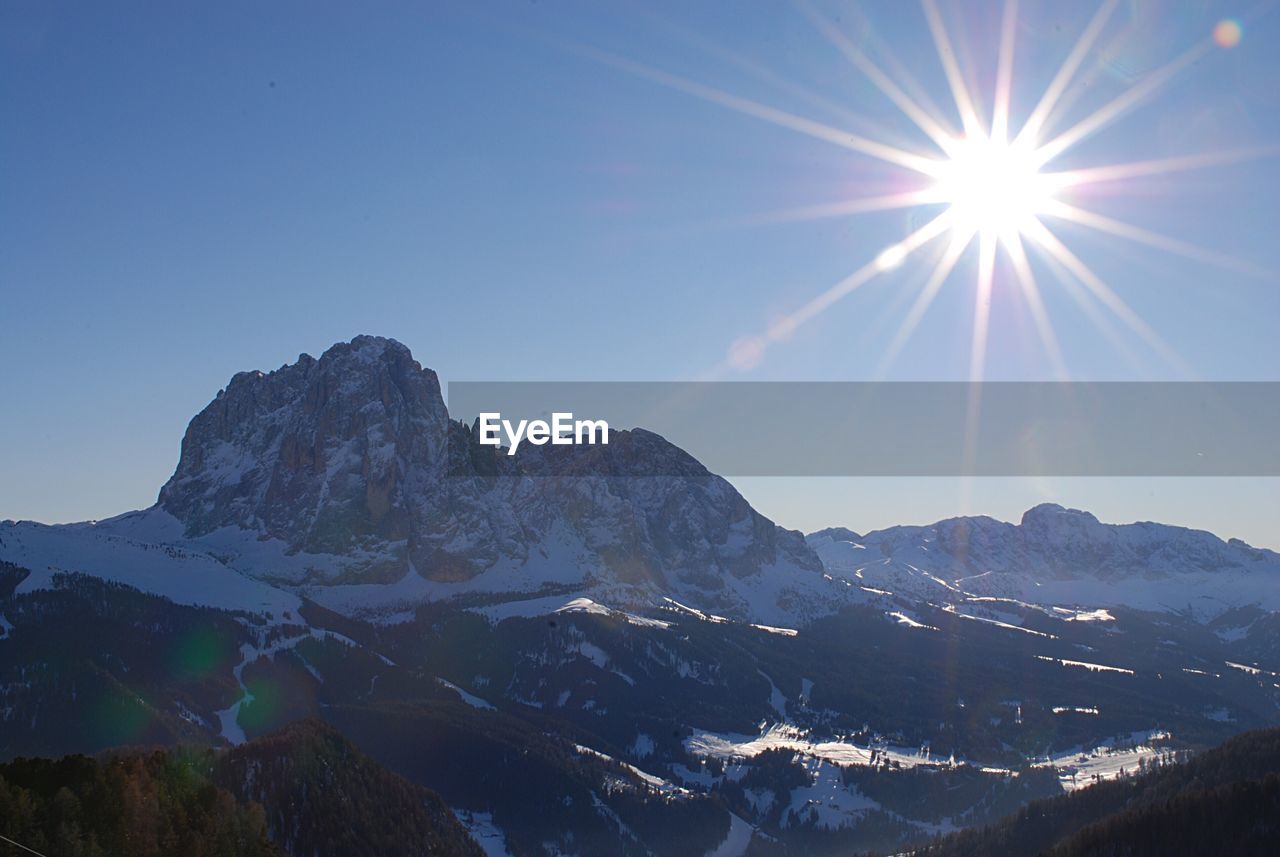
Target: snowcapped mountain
x,y
343,478
1058,556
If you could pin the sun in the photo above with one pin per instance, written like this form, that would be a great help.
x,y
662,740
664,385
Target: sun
x,y
992,188
995,182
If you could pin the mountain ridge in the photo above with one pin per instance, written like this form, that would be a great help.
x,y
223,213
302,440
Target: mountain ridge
x,y
344,479
1059,555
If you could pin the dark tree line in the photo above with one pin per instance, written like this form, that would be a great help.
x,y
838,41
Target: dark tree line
x,y
149,805
304,791
1224,801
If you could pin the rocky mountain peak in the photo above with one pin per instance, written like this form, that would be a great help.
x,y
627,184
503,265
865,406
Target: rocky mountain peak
x,y
1053,515
315,453
836,534
350,465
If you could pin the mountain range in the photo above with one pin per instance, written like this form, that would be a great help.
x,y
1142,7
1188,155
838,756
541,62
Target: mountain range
x,y
617,648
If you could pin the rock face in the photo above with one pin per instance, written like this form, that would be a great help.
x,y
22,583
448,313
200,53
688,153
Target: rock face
x,y
321,454
1053,542
1062,554
352,461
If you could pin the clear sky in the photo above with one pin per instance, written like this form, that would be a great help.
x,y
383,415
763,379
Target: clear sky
x,y
190,190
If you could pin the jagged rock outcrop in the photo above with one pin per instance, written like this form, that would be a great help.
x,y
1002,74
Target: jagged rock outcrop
x,y
352,463
1055,542
1059,555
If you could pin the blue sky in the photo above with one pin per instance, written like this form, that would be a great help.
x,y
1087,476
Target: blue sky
x,y
193,190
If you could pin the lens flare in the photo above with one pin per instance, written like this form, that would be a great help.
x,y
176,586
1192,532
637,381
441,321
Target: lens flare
x,y
993,178
1227,33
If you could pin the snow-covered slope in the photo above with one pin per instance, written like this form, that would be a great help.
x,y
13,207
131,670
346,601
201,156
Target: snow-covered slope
x,y
1058,556
141,560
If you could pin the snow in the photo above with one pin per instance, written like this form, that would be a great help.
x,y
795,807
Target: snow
x,y
190,716
826,802
782,632
776,700
584,605
951,609
706,617
656,783
1108,761
904,619
1251,670
642,747
558,561
228,718
469,699
701,777
1233,635
564,560
487,835
530,608
1086,665
593,653
736,841
645,621
547,605
1060,556
761,799
731,747
382,603
1099,615
184,576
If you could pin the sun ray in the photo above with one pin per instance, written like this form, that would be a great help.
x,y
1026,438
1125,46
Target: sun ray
x,y
1004,72
1121,229
1092,309
1052,245
991,187
1035,303
773,115
982,306
841,208
947,56
761,72
943,138
972,419
955,249
897,70
1121,103
1155,167
886,260
1040,113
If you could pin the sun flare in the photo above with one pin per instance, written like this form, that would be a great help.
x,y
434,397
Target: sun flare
x,y
993,178
992,188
